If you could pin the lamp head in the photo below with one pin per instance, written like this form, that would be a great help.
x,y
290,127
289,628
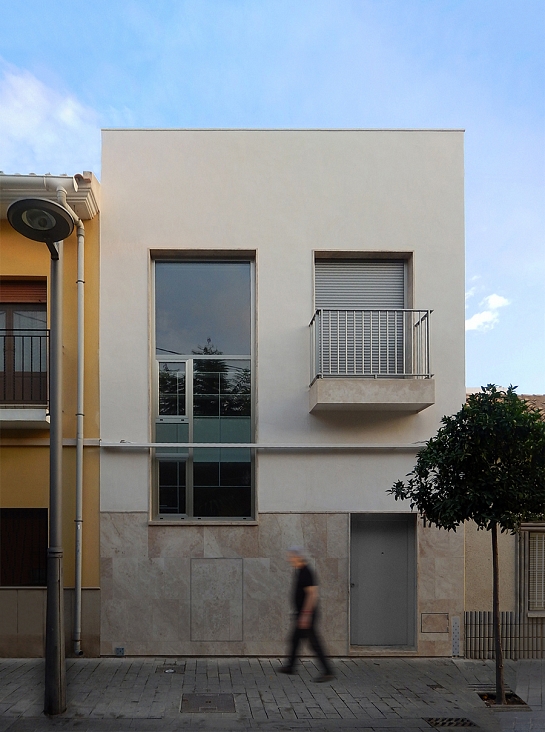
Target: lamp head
x,y
40,220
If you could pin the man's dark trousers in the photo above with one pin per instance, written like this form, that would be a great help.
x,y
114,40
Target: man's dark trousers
x,y
312,637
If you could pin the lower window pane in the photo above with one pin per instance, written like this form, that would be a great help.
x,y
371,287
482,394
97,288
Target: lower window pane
x,y
206,474
223,502
206,405
23,546
171,486
232,474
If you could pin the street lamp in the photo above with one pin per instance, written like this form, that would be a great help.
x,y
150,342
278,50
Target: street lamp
x,y
46,221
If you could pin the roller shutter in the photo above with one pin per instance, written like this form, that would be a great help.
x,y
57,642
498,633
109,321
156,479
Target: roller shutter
x,y
360,285
21,291
361,324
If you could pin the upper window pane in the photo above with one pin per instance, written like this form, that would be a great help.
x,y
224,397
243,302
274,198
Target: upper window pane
x,y
202,307
172,388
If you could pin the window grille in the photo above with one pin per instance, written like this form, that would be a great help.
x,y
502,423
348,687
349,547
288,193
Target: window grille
x,y
536,572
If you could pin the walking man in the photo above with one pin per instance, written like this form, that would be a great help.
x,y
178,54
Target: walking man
x,y
305,600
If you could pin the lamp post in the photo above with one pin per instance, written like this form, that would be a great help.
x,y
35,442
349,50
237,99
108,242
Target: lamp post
x,y
43,220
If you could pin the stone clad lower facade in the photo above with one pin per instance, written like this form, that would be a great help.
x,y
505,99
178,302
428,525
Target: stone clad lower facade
x,y
225,590
216,589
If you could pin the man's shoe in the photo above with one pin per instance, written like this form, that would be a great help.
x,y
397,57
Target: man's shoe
x,y
324,677
286,670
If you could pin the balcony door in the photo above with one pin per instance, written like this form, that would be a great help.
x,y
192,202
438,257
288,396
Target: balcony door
x,y
361,319
23,342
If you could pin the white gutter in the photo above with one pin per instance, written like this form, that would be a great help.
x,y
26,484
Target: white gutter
x,y
50,183
82,191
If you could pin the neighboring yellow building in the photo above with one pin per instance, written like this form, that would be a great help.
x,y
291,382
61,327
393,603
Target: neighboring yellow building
x,y
24,425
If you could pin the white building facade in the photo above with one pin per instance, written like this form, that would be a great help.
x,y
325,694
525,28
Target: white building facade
x,y
281,327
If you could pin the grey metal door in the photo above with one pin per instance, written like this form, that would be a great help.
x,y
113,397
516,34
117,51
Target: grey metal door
x,y
383,580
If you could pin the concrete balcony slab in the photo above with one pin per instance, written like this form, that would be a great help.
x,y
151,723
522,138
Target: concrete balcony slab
x,y
30,418
356,394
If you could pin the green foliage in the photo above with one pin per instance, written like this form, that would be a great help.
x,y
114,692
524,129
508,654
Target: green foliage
x,y
486,464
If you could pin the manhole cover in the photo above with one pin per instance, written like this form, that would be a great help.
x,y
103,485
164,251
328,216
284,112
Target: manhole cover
x,y
449,722
199,703
169,670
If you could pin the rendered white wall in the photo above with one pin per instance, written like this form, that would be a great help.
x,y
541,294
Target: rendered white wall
x,y
282,194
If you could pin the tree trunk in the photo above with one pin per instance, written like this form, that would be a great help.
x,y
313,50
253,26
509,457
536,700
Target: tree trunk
x,y
500,682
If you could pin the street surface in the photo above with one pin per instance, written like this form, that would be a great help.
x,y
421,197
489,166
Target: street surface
x,y
368,694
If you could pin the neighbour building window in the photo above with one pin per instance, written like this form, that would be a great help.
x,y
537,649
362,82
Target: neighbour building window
x,y
203,337
23,546
23,342
536,571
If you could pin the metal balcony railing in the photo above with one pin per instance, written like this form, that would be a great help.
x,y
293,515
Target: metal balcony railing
x,y
23,367
370,343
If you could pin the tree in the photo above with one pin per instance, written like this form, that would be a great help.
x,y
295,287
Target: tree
x,y
485,464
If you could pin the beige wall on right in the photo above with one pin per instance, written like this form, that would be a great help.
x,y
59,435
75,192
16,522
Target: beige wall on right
x,y
478,569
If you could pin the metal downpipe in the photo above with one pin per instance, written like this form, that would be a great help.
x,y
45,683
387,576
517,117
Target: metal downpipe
x,y
80,229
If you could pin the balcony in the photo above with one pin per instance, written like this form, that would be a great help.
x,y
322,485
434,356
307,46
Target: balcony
x,y
371,360
23,379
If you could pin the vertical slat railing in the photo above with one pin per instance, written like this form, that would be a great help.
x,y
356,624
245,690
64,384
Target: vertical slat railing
x,y
522,637
23,367
370,343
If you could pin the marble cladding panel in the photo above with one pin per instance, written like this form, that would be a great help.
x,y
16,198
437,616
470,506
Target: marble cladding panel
x,y
333,582
124,535
231,542
440,587
266,606
175,541
216,599
338,535
277,532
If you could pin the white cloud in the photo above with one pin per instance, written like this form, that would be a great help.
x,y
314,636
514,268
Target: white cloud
x,y
487,318
493,302
43,130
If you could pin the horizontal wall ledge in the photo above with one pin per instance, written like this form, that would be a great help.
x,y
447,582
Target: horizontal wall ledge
x,y
355,394
127,445
262,446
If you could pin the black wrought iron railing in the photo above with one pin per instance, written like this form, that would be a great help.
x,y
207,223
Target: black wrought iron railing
x,y
24,355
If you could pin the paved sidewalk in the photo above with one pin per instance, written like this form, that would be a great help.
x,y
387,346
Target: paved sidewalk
x,y
371,695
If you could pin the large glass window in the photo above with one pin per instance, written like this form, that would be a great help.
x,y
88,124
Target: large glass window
x,y
203,332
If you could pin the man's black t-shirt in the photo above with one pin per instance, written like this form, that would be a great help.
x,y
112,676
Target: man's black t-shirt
x,y
303,578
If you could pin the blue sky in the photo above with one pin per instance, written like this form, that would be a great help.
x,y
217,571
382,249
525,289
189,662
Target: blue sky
x,y
67,69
